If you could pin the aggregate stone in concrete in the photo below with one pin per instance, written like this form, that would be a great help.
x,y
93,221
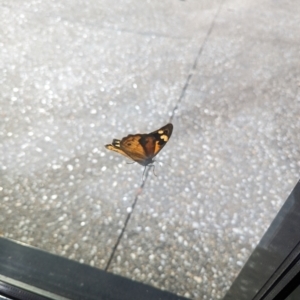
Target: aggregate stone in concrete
x,y
75,75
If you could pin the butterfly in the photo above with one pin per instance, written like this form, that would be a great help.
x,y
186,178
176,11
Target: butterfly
x,y
142,148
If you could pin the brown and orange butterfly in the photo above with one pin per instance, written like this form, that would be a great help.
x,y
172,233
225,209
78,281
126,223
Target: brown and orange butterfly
x,y
142,148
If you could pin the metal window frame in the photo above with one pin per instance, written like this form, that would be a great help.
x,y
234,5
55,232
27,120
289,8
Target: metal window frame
x,y
28,273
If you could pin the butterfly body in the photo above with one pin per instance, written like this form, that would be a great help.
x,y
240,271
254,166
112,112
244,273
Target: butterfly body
x,y
142,148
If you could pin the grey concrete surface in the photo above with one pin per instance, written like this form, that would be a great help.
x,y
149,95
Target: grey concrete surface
x,y
76,74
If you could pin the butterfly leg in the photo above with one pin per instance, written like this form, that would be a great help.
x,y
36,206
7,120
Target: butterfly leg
x,y
154,170
152,166
148,166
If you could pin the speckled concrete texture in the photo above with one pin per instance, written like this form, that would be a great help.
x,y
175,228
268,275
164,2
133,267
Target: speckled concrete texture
x,y
76,74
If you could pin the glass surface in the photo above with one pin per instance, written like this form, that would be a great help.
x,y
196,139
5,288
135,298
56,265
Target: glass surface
x,y
77,74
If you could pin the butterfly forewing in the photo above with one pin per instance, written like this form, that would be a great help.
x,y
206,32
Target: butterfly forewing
x,y
142,147
162,135
148,142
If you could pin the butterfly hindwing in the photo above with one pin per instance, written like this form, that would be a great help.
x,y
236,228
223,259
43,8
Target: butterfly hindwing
x,y
142,147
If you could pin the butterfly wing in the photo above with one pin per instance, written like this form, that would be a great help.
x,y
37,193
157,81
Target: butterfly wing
x,y
160,137
132,147
142,147
115,146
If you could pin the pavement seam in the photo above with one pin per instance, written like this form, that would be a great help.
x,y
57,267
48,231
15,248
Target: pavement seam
x,y
194,67
189,77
